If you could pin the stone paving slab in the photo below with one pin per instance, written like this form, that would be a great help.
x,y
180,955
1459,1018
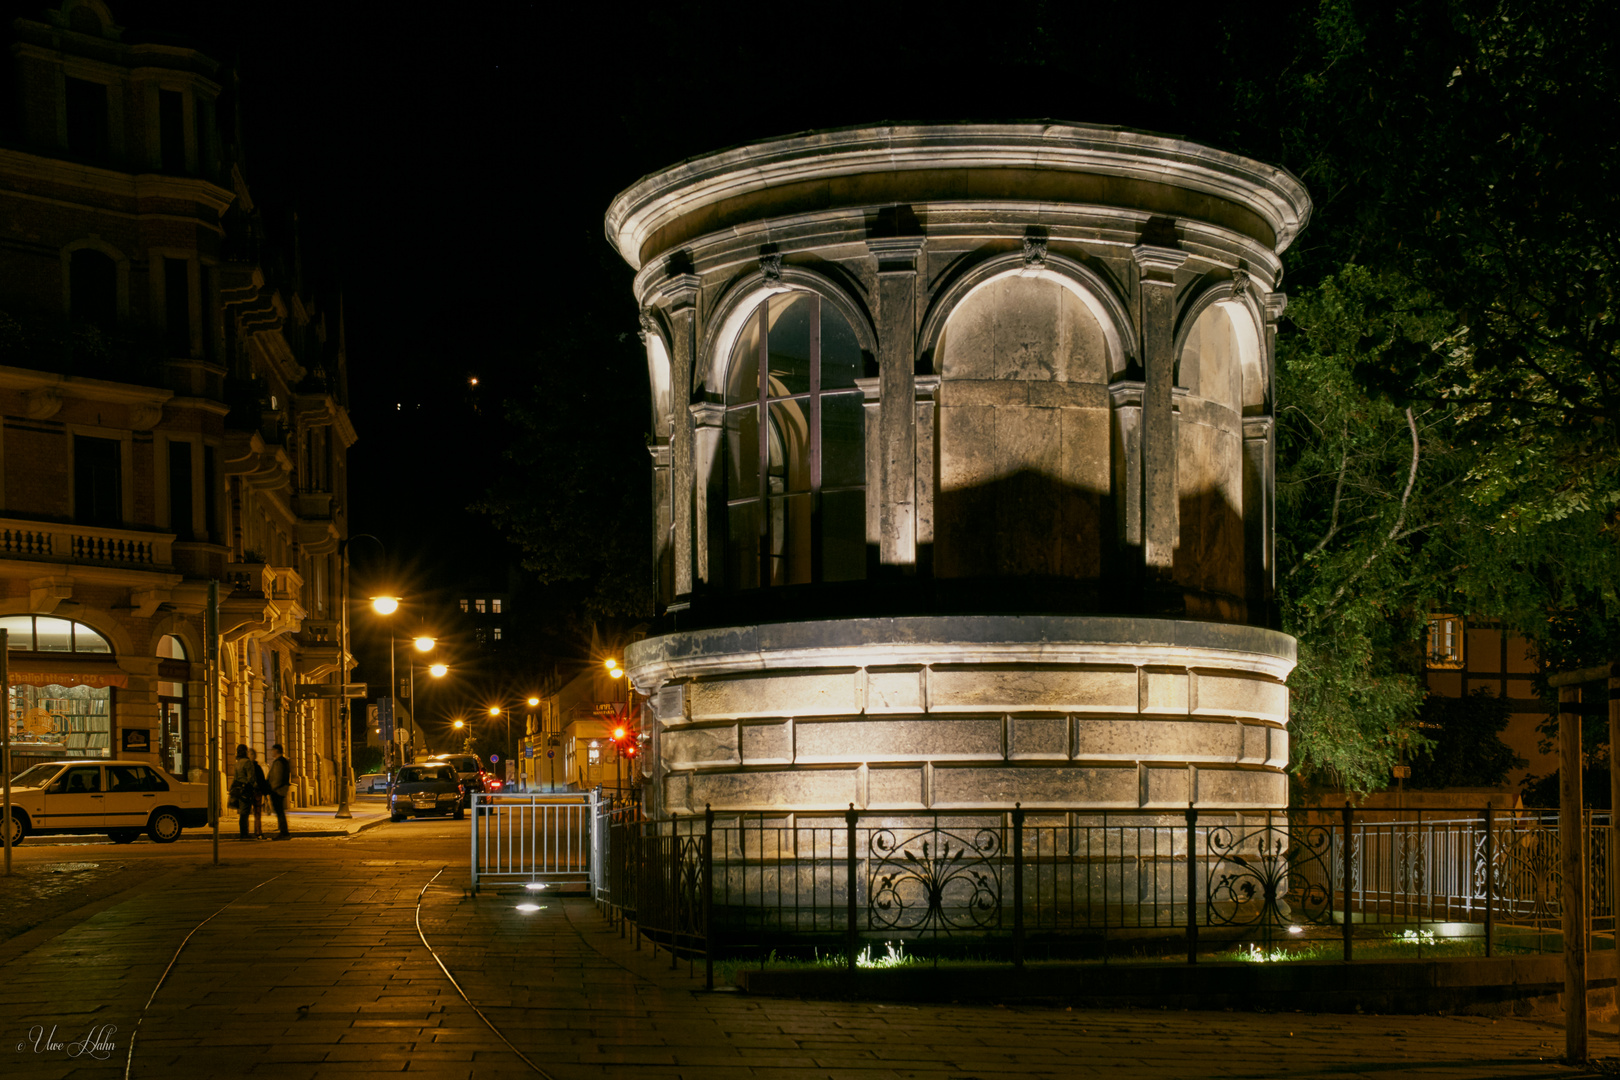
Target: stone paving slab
x,y
320,973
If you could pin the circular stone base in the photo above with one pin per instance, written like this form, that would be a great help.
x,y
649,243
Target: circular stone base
x,y
966,713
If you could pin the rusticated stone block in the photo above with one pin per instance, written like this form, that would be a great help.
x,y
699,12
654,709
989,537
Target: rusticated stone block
x,y
1242,789
889,690
806,790
1164,690
962,787
769,743
814,694
922,738
1038,738
691,747
1231,695
894,789
1012,688
1167,787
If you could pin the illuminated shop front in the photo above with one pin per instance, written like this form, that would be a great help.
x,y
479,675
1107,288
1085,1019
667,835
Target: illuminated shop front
x,y
63,680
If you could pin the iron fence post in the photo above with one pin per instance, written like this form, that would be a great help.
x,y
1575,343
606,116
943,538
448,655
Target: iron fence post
x,y
1192,884
1349,869
708,895
1018,884
850,819
1490,878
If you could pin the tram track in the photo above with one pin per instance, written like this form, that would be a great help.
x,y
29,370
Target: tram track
x,y
129,1061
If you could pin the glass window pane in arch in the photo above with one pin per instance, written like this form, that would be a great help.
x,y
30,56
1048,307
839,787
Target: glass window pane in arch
x,y
843,441
789,443
742,453
841,359
86,640
172,648
53,635
19,631
742,379
790,343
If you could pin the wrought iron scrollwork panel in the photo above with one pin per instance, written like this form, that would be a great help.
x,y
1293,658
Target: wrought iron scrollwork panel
x,y
1272,876
934,879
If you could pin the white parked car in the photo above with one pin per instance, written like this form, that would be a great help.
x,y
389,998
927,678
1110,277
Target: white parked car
x,y
121,799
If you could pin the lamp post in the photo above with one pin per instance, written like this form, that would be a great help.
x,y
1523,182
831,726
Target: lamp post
x,y
423,643
345,751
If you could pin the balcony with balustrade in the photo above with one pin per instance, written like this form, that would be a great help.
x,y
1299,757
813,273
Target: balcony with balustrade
x,y
88,545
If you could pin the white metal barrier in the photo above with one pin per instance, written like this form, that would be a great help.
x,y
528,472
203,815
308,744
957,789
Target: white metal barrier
x,y
519,839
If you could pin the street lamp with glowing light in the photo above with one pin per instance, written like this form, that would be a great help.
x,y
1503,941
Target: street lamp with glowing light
x,y
424,643
438,671
385,605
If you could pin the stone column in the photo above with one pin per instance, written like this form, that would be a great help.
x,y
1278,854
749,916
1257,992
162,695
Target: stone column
x,y
926,426
708,503
1124,558
897,259
680,294
1258,485
663,547
1160,513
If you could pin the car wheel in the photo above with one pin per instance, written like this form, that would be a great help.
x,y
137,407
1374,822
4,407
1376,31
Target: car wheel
x,y
164,828
396,817
124,836
19,828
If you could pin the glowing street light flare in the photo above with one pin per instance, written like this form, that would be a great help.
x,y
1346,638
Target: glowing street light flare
x,y
534,701
460,724
424,644
611,663
385,605
438,671
616,672
494,710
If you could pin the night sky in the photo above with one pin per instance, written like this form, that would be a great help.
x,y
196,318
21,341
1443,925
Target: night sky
x,y
450,169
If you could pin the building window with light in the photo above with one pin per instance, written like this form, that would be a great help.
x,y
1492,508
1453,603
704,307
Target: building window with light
x,y
495,606
495,633
478,606
464,604
795,447
1445,641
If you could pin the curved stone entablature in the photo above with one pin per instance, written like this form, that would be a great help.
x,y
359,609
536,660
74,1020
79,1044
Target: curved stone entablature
x,y
963,465
967,713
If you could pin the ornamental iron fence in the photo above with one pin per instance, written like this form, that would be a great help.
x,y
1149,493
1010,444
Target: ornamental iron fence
x,y
758,881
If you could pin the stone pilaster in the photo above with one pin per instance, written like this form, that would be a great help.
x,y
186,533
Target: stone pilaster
x,y
872,404
680,295
897,259
1124,565
663,543
709,505
1160,513
1259,573
927,428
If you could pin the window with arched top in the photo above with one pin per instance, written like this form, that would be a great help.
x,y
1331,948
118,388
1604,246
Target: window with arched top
x,y
795,442
42,633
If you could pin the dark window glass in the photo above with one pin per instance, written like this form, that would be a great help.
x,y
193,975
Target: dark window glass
x,y
87,120
180,497
172,130
97,482
210,499
81,779
177,306
791,444
205,279
93,288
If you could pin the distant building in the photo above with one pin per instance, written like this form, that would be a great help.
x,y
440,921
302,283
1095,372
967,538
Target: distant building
x,y
568,743
1465,657
174,400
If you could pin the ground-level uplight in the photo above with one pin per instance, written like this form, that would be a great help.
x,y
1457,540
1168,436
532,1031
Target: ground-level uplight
x,y
530,907
535,886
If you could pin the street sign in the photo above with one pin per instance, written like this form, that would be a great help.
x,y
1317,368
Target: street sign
x,y
328,691
1402,772
551,753
494,759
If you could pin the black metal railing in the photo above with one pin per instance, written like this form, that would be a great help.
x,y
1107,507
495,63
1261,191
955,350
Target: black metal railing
x,y
756,882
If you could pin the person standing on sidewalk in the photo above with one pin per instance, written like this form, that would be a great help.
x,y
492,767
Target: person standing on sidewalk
x,y
261,788
242,788
280,781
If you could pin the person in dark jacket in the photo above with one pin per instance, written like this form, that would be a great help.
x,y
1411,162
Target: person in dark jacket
x,y
261,787
280,780
243,783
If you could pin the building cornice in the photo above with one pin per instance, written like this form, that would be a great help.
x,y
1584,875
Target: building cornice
x,y
669,206
77,386
137,186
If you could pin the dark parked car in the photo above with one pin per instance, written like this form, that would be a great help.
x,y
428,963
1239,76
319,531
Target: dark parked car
x,y
425,788
470,771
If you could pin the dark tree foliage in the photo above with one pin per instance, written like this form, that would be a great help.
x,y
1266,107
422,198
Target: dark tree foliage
x,y
1467,749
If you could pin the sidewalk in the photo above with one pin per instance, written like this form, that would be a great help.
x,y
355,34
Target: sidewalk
x,y
317,820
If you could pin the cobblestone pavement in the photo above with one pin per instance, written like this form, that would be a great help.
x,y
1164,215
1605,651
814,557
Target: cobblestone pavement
x,y
312,967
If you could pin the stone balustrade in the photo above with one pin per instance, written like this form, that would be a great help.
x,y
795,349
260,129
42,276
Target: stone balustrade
x,y
43,541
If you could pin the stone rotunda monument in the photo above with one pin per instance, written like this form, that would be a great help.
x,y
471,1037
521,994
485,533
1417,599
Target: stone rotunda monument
x,y
963,460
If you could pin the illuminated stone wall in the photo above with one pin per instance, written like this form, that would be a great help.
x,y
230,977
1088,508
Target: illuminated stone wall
x,y
1064,338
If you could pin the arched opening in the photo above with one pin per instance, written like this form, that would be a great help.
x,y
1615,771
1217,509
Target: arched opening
x,y
180,748
62,675
1209,557
1024,448
795,447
